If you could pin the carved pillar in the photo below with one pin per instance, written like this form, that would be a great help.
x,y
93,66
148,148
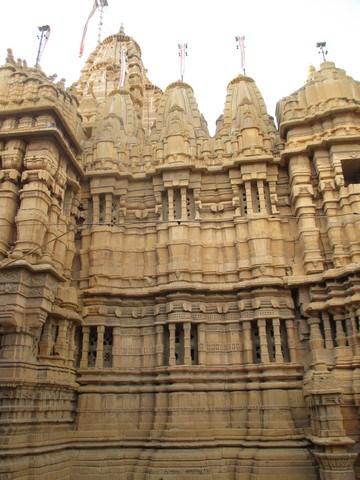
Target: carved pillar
x,y
264,351
17,345
85,348
41,162
304,206
96,209
8,207
249,202
316,340
172,358
171,204
277,340
187,343
260,187
202,344
99,362
159,329
108,208
340,333
46,339
332,446
60,346
336,465
70,335
327,330
116,347
290,329
183,203
52,233
12,158
61,243
32,218
336,231
247,343
354,333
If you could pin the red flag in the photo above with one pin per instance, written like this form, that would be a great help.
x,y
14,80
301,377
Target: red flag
x,y
82,44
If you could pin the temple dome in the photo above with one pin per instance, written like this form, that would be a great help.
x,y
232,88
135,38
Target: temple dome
x,y
327,90
245,117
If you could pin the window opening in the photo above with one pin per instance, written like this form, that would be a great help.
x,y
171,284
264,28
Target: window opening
x,y
92,346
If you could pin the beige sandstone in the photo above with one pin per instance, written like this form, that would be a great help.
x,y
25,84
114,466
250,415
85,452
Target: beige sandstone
x,y
175,305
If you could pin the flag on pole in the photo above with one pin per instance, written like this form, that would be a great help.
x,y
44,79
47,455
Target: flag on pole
x,y
44,37
182,54
241,46
123,66
82,44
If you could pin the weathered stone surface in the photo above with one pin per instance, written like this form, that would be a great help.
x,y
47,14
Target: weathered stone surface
x,y
175,305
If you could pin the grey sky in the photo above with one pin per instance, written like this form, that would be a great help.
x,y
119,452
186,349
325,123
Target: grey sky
x,y
280,40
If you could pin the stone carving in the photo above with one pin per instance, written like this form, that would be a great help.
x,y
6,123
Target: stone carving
x,y
162,289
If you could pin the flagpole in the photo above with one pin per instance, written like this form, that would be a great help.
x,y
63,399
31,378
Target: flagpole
x,y
44,36
97,3
182,47
240,45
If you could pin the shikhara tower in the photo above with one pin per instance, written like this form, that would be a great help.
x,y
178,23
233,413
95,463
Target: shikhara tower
x,y
175,305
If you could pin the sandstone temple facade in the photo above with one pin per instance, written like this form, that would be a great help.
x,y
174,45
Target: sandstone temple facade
x,y
177,306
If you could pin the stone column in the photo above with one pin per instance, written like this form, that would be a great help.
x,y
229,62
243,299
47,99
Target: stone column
x,y
277,340
354,332
248,198
336,465
336,230
172,358
316,340
60,345
8,207
247,342
52,232
202,344
159,329
171,204
183,191
116,347
187,343
108,208
85,348
264,351
59,254
17,345
290,329
340,333
260,187
33,215
45,340
71,342
302,198
41,163
327,330
332,446
99,362
96,209
12,159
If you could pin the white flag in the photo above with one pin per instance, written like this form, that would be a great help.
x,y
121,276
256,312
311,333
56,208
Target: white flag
x,y
123,66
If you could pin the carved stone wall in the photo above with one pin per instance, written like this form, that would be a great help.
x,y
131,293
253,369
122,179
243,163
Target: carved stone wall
x,y
176,305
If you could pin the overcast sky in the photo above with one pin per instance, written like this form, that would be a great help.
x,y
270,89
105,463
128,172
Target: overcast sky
x,y
280,40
